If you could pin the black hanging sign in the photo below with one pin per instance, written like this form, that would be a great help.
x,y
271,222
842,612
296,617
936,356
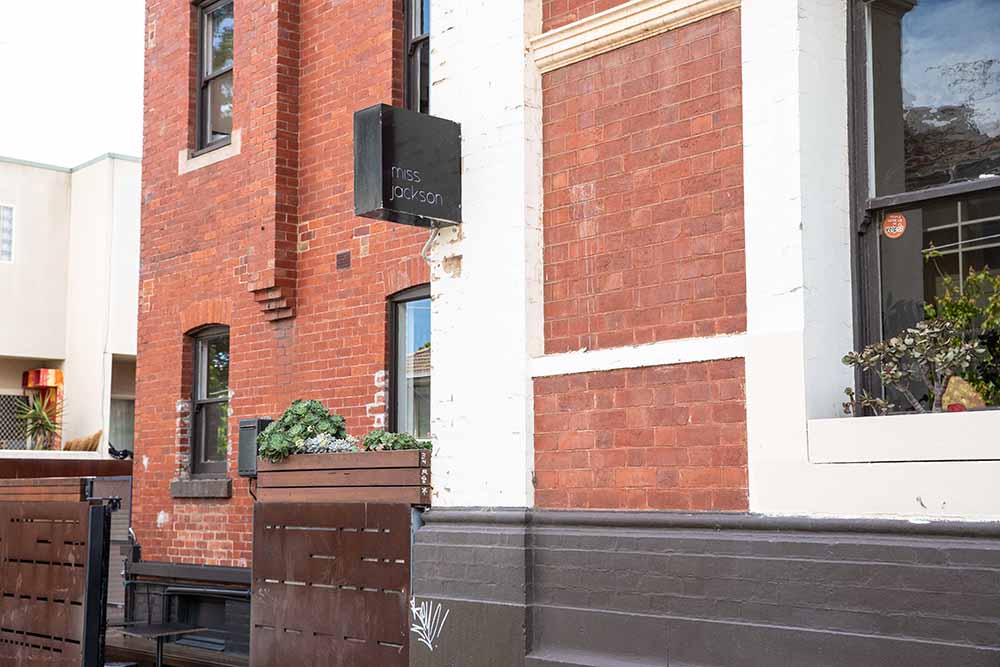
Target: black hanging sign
x,y
407,167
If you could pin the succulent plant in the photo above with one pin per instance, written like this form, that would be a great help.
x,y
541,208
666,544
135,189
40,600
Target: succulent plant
x,y
302,421
383,441
925,356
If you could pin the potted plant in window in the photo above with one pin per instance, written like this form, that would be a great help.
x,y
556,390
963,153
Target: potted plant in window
x,y
947,362
307,456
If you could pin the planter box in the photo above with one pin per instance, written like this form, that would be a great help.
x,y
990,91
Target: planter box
x,y
376,477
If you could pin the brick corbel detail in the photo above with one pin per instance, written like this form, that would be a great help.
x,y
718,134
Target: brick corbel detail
x,y
270,269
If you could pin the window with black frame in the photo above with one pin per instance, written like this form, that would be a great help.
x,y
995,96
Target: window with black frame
x,y
927,149
215,74
410,378
418,55
210,402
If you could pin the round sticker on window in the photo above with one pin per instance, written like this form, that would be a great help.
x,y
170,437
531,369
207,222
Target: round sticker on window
x,y
894,225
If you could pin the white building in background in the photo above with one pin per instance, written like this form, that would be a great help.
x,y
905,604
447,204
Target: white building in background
x,y
69,267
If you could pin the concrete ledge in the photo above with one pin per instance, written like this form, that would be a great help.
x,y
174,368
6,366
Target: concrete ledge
x,y
945,436
201,488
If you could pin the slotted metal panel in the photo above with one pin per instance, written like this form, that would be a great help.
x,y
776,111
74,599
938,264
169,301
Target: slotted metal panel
x,y
331,584
53,583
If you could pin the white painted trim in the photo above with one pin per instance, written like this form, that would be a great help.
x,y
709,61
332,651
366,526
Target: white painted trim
x,y
619,26
963,436
664,353
50,454
187,164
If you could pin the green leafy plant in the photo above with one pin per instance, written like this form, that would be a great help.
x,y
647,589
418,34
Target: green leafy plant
x,y
384,441
42,417
974,306
925,356
302,421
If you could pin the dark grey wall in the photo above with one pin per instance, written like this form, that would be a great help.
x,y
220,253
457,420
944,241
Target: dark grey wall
x,y
628,589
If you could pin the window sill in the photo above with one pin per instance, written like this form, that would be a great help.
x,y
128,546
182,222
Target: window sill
x,y
188,161
958,436
201,488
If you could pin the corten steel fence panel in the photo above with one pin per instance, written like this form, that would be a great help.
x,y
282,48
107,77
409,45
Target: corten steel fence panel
x,y
53,564
331,584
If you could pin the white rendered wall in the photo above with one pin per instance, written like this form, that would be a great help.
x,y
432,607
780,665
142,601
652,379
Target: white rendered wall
x,y
799,284
486,276
102,288
33,286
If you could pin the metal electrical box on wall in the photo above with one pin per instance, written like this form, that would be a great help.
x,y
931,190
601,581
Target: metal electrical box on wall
x,y
407,167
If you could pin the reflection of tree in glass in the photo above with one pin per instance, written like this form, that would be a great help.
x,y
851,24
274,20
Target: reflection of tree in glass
x,y
222,430
222,38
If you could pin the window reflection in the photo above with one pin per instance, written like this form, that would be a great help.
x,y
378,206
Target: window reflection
x,y
413,368
936,92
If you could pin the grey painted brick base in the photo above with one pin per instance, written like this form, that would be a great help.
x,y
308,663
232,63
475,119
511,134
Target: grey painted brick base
x,y
628,589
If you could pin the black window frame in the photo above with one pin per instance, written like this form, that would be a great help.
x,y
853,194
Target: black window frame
x,y
196,440
412,51
416,293
202,143
867,209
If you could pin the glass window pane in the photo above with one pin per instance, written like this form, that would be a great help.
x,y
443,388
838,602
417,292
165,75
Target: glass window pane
x,y
121,431
6,234
213,427
413,368
910,274
420,17
219,38
216,367
219,106
420,78
936,92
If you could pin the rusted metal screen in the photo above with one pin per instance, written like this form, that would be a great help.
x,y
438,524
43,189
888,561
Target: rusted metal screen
x,y
43,582
331,584
43,490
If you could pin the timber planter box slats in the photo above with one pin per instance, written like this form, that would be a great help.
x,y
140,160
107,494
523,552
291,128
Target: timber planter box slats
x,y
383,477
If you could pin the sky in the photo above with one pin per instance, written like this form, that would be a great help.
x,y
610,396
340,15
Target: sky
x,y
71,79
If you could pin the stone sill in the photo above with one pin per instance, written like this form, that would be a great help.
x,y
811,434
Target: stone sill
x,y
950,436
188,162
201,488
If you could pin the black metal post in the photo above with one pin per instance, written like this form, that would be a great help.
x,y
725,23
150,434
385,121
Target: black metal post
x,y
96,598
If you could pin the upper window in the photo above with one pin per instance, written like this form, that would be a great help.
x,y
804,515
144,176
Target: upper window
x,y
410,381
215,74
927,148
210,404
933,132
6,234
418,55
935,92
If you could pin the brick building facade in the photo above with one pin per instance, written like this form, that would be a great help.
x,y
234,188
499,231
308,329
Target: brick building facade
x,y
637,329
251,242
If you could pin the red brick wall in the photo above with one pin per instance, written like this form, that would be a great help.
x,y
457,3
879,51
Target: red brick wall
x,y
643,181
556,13
271,219
667,438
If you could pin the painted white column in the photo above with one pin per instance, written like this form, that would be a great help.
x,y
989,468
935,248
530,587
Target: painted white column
x,y
487,275
799,293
